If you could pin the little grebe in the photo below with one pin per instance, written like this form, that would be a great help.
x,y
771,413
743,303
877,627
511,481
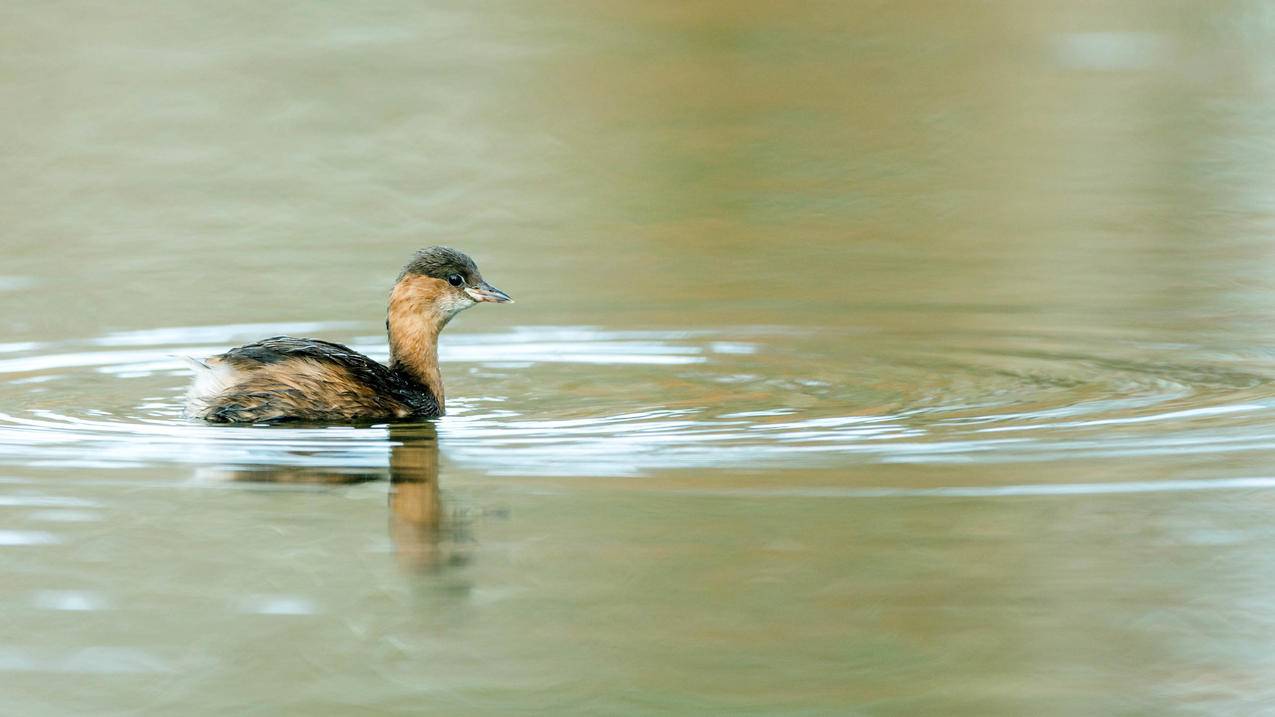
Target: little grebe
x,y
289,379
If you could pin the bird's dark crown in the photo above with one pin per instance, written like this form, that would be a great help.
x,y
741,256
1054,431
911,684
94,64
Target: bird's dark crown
x,y
440,262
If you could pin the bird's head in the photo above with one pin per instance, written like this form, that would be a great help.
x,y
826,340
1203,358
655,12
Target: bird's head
x,y
444,282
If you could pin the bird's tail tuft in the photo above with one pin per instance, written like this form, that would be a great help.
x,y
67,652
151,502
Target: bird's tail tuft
x,y
195,364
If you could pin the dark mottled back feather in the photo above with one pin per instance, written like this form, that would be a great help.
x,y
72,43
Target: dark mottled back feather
x,y
279,348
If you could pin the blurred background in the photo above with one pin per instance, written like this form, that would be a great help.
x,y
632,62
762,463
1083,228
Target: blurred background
x,y
882,358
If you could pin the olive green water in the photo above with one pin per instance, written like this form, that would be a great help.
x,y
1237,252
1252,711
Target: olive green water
x,y
869,358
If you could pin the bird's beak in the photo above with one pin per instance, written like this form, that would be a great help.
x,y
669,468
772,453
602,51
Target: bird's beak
x,y
487,292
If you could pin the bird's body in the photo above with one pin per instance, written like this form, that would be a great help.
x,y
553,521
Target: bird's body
x,y
300,379
285,378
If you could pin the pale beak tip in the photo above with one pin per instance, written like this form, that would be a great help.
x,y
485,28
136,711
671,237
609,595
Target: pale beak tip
x,y
488,293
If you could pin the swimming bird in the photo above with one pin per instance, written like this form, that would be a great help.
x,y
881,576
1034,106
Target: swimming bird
x,y
292,379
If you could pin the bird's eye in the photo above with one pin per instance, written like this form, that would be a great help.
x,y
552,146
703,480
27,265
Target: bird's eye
x,y
455,280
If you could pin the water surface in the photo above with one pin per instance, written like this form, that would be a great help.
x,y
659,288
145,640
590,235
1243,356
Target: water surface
x,y
868,359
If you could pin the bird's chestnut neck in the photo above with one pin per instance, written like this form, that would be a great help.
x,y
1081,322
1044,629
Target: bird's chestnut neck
x,y
419,309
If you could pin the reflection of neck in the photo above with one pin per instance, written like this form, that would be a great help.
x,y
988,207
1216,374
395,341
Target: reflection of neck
x,y
414,324
416,509
414,473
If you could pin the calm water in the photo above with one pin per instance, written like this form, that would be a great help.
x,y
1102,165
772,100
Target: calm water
x,y
869,358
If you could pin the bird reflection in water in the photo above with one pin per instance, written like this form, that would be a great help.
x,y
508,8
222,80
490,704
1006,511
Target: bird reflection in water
x,y
425,536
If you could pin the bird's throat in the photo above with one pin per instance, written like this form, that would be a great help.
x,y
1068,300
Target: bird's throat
x,y
414,323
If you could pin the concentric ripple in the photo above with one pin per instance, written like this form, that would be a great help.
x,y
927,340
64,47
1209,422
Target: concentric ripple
x,y
565,401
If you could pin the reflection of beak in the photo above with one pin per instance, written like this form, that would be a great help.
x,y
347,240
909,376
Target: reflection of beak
x,y
487,292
